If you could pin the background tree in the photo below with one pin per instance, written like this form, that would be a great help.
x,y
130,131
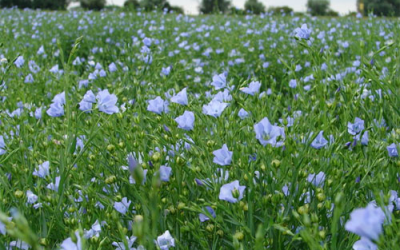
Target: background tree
x,y
149,5
254,6
279,10
318,7
132,4
212,6
92,4
381,7
18,3
50,4
36,4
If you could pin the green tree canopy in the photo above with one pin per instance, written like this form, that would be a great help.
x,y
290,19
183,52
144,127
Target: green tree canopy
x,y
36,4
212,6
382,7
93,4
318,7
254,6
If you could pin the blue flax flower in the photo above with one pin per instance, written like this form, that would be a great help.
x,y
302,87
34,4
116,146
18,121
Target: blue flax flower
x,y
219,81
214,108
231,192
158,106
253,88
266,133
106,102
186,121
223,156
356,127
366,222
392,150
304,32
180,98
319,141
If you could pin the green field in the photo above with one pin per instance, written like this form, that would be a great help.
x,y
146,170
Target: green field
x,y
161,131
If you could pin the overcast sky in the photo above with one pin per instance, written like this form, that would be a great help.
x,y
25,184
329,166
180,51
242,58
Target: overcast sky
x,y
191,6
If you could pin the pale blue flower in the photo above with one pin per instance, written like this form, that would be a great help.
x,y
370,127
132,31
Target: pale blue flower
x,y
214,108
158,106
56,70
304,32
33,67
165,173
54,186
186,121
29,79
43,170
228,191
122,206
55,110
356,127
85,106
319,141
31,197
112,67
366,222
293,83
253,88
223,156
243,113
223,96
316,180
266,133
166,71
219,81
392,150
204,217
2,146
121,245
147,41
106,102
19,62
365,139
88,99
180,98
19,244
38,113
165,241
68,244
364,244
59,98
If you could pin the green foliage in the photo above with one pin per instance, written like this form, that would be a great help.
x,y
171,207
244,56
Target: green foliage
x,y
331,12
93,4
254,6
149,5
236,11
132,4
36,4
282,9
280,208
382,7
19,3
318,7
214,6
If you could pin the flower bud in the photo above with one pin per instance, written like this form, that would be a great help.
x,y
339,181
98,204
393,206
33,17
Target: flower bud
x,y
156,156
276,163
19,194
238,235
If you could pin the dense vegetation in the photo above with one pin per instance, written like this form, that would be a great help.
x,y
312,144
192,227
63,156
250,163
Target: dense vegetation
x,y
149,130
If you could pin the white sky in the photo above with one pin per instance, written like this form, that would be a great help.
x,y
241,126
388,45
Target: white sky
x,y
191,6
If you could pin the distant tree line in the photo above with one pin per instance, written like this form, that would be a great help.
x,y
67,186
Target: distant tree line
x,y
379,7
314,7
147,5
